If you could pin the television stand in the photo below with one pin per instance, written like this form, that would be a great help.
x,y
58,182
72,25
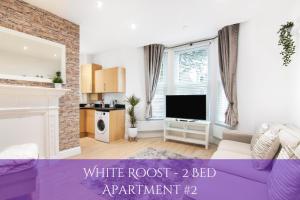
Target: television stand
x,y
196,132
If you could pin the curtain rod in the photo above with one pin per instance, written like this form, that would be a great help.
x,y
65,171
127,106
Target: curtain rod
x,y
194,42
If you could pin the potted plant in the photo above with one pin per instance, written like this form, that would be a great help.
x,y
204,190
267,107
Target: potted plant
x,y
287,42
133,101
57,80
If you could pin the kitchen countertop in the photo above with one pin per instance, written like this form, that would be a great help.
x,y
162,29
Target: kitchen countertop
x,y
102,109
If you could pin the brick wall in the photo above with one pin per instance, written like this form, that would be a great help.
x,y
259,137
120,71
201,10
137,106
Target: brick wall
x,y
23,17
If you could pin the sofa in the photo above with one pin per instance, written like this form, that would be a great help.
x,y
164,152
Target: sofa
x,y
237,178
18,172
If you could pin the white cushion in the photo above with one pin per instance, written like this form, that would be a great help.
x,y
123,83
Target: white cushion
x,y
289,136
297,152
236,147
223,154
19,154
254,140
266,148
288,152
264,127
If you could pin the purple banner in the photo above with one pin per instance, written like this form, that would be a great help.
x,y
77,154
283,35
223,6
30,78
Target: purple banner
x,y
149,179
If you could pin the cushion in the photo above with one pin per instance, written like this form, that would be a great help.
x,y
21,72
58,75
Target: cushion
x,y
265,149
297,152
263,128
289,136
24,151
237,147
288,152
284,183
10,169
254,140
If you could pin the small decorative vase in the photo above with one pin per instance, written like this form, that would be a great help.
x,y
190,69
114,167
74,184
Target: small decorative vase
x,y
132,133
58,85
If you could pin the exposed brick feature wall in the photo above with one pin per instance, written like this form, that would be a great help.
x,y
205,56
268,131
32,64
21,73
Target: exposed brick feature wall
x,y
23,17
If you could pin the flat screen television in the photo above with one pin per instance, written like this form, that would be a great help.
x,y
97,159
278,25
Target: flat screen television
x,y
191,107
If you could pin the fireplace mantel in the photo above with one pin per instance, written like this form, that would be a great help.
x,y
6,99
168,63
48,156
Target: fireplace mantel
x,y
31,90
25,101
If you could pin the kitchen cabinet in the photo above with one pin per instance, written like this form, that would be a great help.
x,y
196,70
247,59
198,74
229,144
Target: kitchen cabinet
x,y
87,123
90,122
116,125
87,77
82,123
111,80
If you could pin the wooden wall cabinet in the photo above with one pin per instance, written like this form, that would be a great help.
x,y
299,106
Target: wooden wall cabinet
x,y
111,80
87,77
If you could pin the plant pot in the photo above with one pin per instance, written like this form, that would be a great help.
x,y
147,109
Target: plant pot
x,y
58,85
132,132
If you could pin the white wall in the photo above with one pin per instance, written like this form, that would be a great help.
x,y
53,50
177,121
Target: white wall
x,y
294,72
267,91
133,60
86,58
262,80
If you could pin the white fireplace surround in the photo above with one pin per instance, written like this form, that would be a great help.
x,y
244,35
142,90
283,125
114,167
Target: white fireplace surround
x,y
26,101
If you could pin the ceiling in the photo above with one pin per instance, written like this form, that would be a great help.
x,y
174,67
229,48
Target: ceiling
x,y
157,21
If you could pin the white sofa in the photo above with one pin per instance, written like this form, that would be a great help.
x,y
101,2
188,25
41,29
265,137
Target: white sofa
x,y
236,145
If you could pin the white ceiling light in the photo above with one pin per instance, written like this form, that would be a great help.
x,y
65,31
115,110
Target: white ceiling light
x,y
55,55
25,47
99,4
133,26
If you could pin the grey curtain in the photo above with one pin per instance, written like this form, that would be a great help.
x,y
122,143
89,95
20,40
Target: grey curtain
x,y
228,52
153,59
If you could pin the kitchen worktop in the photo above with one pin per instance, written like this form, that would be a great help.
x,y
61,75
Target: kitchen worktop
x,y
102,109
120,107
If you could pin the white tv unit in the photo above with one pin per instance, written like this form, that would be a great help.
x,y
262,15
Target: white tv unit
x,y
196,132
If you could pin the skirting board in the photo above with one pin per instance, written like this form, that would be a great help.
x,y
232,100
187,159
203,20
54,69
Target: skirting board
x,y
68,153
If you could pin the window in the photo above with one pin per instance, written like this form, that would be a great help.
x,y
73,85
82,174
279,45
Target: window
x,y
158,102
221,104
189,76
191,71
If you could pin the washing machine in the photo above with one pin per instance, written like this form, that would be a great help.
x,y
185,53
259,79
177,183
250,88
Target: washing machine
x,y
102,126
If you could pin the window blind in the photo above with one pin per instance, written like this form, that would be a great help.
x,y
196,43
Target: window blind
x,y
158,102
190,77
221,104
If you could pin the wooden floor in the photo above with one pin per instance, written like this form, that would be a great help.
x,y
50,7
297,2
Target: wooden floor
x,y
93,149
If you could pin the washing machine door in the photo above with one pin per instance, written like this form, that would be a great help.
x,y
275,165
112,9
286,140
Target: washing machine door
x,y
101,126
